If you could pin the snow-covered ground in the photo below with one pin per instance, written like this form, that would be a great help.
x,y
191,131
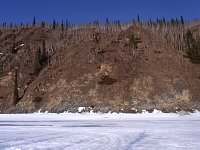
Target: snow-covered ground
x,y
100,131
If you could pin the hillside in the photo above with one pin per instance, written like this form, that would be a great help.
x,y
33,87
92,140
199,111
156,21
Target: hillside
x,y
86,67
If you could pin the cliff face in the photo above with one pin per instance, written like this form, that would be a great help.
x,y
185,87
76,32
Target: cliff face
x,y
102,72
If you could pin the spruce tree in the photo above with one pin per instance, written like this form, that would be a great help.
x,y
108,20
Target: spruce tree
x,y
192,47
133,42
182,20
189,40
43,24
11,26
62,26
54,24
40,59
44,55
66,24
107,21
138,19
34,22
37,62
15,89
196,52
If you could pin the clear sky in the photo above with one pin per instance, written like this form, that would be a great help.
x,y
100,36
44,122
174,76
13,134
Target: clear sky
x,y
81,11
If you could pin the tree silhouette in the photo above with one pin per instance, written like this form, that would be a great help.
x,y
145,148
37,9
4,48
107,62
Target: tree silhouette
x,y
15,89
62,26
34,22
44,57
138,18
182,20
54,24
43,24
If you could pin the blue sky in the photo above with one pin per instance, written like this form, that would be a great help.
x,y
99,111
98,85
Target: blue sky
x,y
80,11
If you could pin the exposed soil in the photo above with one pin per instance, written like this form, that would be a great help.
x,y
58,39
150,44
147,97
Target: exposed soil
x,y
93,69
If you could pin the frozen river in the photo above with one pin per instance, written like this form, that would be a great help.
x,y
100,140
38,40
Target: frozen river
x,y
100,131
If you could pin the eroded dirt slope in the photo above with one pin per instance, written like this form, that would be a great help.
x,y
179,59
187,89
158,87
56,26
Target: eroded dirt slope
x,y
91,69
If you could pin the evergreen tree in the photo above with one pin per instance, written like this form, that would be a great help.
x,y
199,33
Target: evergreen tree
x,y
164,21
138,19
133,41
182,20
15,89
40,59
66,24
189,40
54,24
37,62
44,57
133,21
43,24
192,47
21,25
150,22
11,26
196,52
107,25
14,49
34,22
177,22
107,21
62,26
172,21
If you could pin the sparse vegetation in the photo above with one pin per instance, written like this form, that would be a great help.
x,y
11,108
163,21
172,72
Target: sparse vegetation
x,y
105,64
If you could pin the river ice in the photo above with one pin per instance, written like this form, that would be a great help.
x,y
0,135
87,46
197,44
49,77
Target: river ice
x,y
100,131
